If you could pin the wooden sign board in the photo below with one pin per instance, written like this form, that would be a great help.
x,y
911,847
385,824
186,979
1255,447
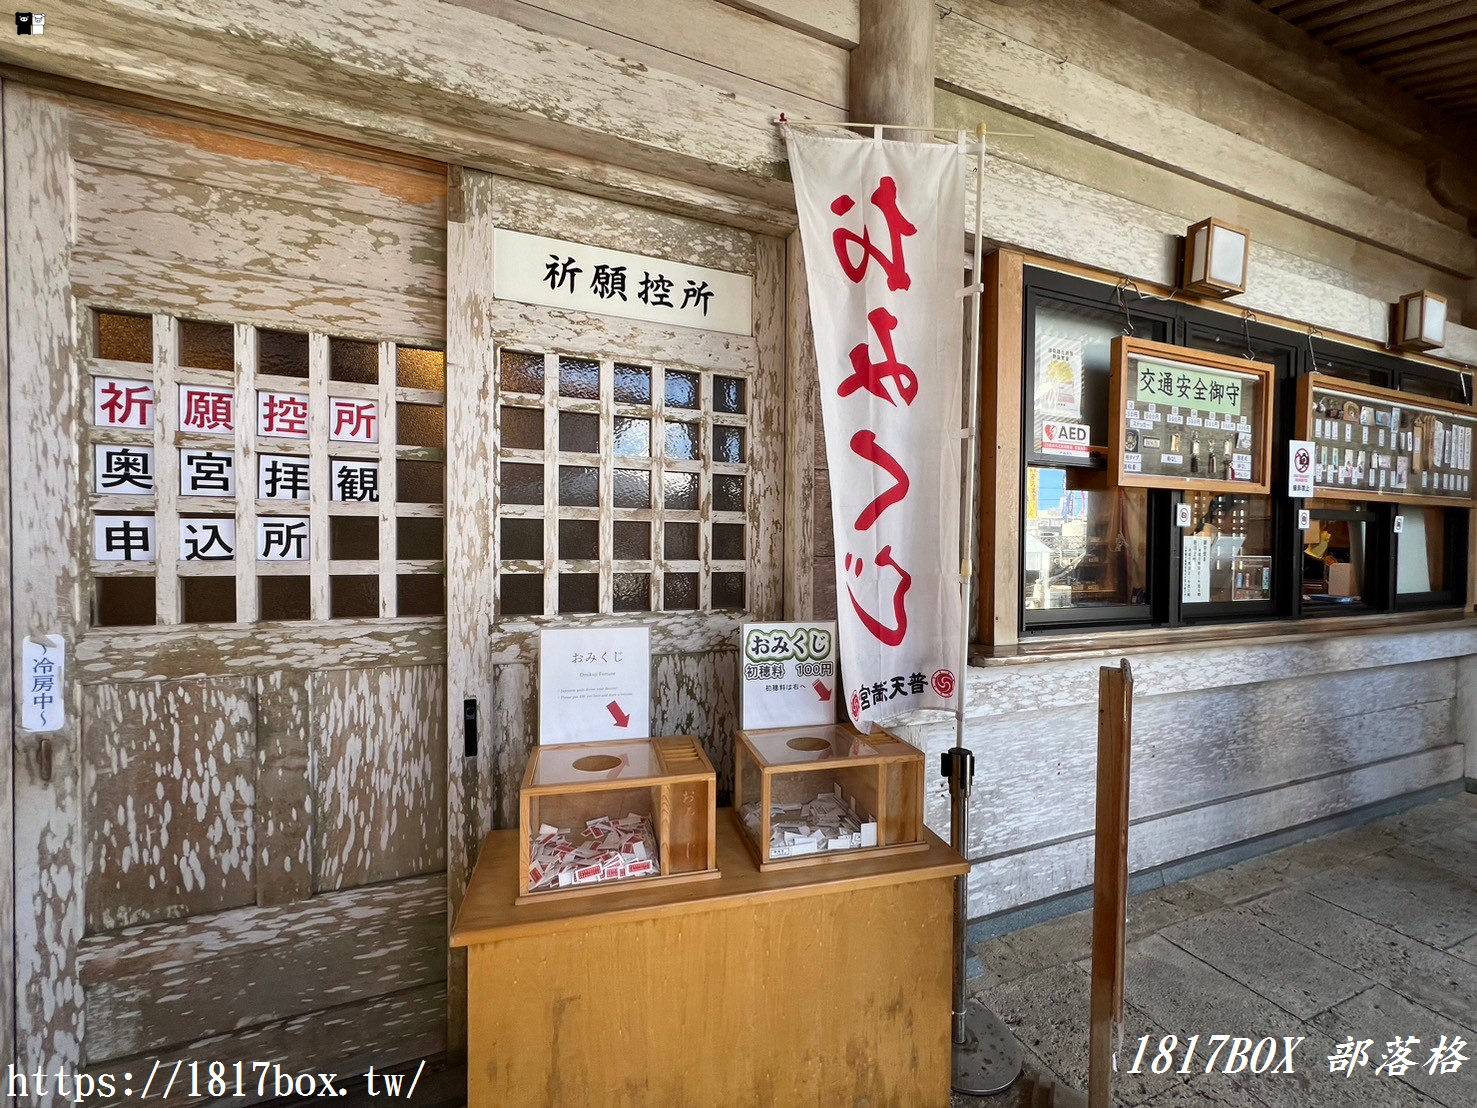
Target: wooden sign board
x,y
1187,419
1378,444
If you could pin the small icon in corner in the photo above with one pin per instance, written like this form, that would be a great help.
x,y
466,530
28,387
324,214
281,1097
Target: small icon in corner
x,y
30,23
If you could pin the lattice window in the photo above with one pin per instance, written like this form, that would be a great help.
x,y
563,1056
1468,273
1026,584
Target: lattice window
x,y
623,486
238,474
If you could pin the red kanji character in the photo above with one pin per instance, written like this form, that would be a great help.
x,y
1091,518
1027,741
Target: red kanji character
x,y
887,636
870,375
129,406
864,445
896,267
284,415
354,421
207,410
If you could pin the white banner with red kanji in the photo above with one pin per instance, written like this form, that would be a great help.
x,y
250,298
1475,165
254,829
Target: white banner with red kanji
x,y
882,224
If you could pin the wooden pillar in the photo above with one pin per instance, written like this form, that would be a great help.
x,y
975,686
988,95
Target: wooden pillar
x,y
892,67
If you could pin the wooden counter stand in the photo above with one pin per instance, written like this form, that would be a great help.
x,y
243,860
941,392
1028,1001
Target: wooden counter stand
x,y
668,780
829,985
879,771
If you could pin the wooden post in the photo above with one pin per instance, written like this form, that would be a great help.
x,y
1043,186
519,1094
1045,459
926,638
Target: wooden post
x,y
892,67
1110,876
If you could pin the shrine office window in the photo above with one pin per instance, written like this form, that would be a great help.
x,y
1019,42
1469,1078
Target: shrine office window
x,y
238,474
1085,546
623,486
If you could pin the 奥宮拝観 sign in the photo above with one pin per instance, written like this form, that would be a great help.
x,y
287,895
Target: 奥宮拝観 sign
x,y
533,269
594,684
789,675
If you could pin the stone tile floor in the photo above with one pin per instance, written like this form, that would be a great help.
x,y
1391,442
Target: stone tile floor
x,y
1369,933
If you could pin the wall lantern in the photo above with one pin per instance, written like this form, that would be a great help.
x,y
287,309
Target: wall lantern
x,y
1420,321
1215,258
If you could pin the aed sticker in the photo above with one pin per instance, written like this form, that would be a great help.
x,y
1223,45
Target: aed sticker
x,y
1399,524
1305,519
1183,515
1060,437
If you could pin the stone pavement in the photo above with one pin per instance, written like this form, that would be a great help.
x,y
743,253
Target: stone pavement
x,y
1369,933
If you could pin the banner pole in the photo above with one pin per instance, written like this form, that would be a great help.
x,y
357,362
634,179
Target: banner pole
x,y
987,1058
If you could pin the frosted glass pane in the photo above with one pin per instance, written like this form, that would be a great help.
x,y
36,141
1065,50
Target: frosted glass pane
x,y
579,433
579,378
579,486
680,542
632,437
522,371
632,384
523,428
682,391
632,488
1229,256
728,444
1435,326
680,592
682,441
680,491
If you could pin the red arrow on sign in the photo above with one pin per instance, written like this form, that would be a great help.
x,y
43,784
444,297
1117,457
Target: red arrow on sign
x,y
822,690
621,719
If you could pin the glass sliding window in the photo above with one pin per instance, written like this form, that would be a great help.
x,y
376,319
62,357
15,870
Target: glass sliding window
x,y
1334,558
1431,557
1226,555
1084,548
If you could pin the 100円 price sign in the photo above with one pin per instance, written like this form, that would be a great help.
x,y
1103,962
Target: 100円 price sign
x,y
1188,419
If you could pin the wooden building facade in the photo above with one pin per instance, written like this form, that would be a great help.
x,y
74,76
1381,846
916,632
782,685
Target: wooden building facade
x,y
274,771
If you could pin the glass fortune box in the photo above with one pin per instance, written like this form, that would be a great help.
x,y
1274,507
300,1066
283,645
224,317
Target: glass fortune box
x,y
608,815
813,794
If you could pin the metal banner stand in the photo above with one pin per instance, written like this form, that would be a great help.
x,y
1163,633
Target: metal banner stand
x,y
987,1059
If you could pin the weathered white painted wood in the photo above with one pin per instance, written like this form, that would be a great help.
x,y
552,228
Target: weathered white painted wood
x,y
284,797
244,507
471,545
697,694
168,604
802,416
47,535
558,213
320,595
222,161
154,654
1366,268
399,1027
1060,867
1035,770
7,688
993,65
135,282
706,40
1129,53
150,987
522,326
832,20
168,786
254,57
1033,684
766,438
210,227
379,751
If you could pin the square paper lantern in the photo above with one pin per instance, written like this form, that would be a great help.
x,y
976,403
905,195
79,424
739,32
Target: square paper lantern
x,y
1420,321
1215,258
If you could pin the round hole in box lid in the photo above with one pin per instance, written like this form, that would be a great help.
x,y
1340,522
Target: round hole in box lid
x,y
596,763
809,743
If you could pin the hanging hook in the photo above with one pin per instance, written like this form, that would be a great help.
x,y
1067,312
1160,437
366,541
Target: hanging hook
x,y
1312,356
1128,327
1248,317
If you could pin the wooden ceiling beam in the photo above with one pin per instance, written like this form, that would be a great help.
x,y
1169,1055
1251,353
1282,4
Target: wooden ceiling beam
x,y
1259,42
1434,34
1352,21
1395,66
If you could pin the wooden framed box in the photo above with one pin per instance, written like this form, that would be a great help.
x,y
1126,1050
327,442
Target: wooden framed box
x,y
804,795
1188,419
600,816
1377,444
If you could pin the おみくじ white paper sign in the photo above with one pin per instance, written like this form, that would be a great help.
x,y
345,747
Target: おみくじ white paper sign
x,y
594,685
